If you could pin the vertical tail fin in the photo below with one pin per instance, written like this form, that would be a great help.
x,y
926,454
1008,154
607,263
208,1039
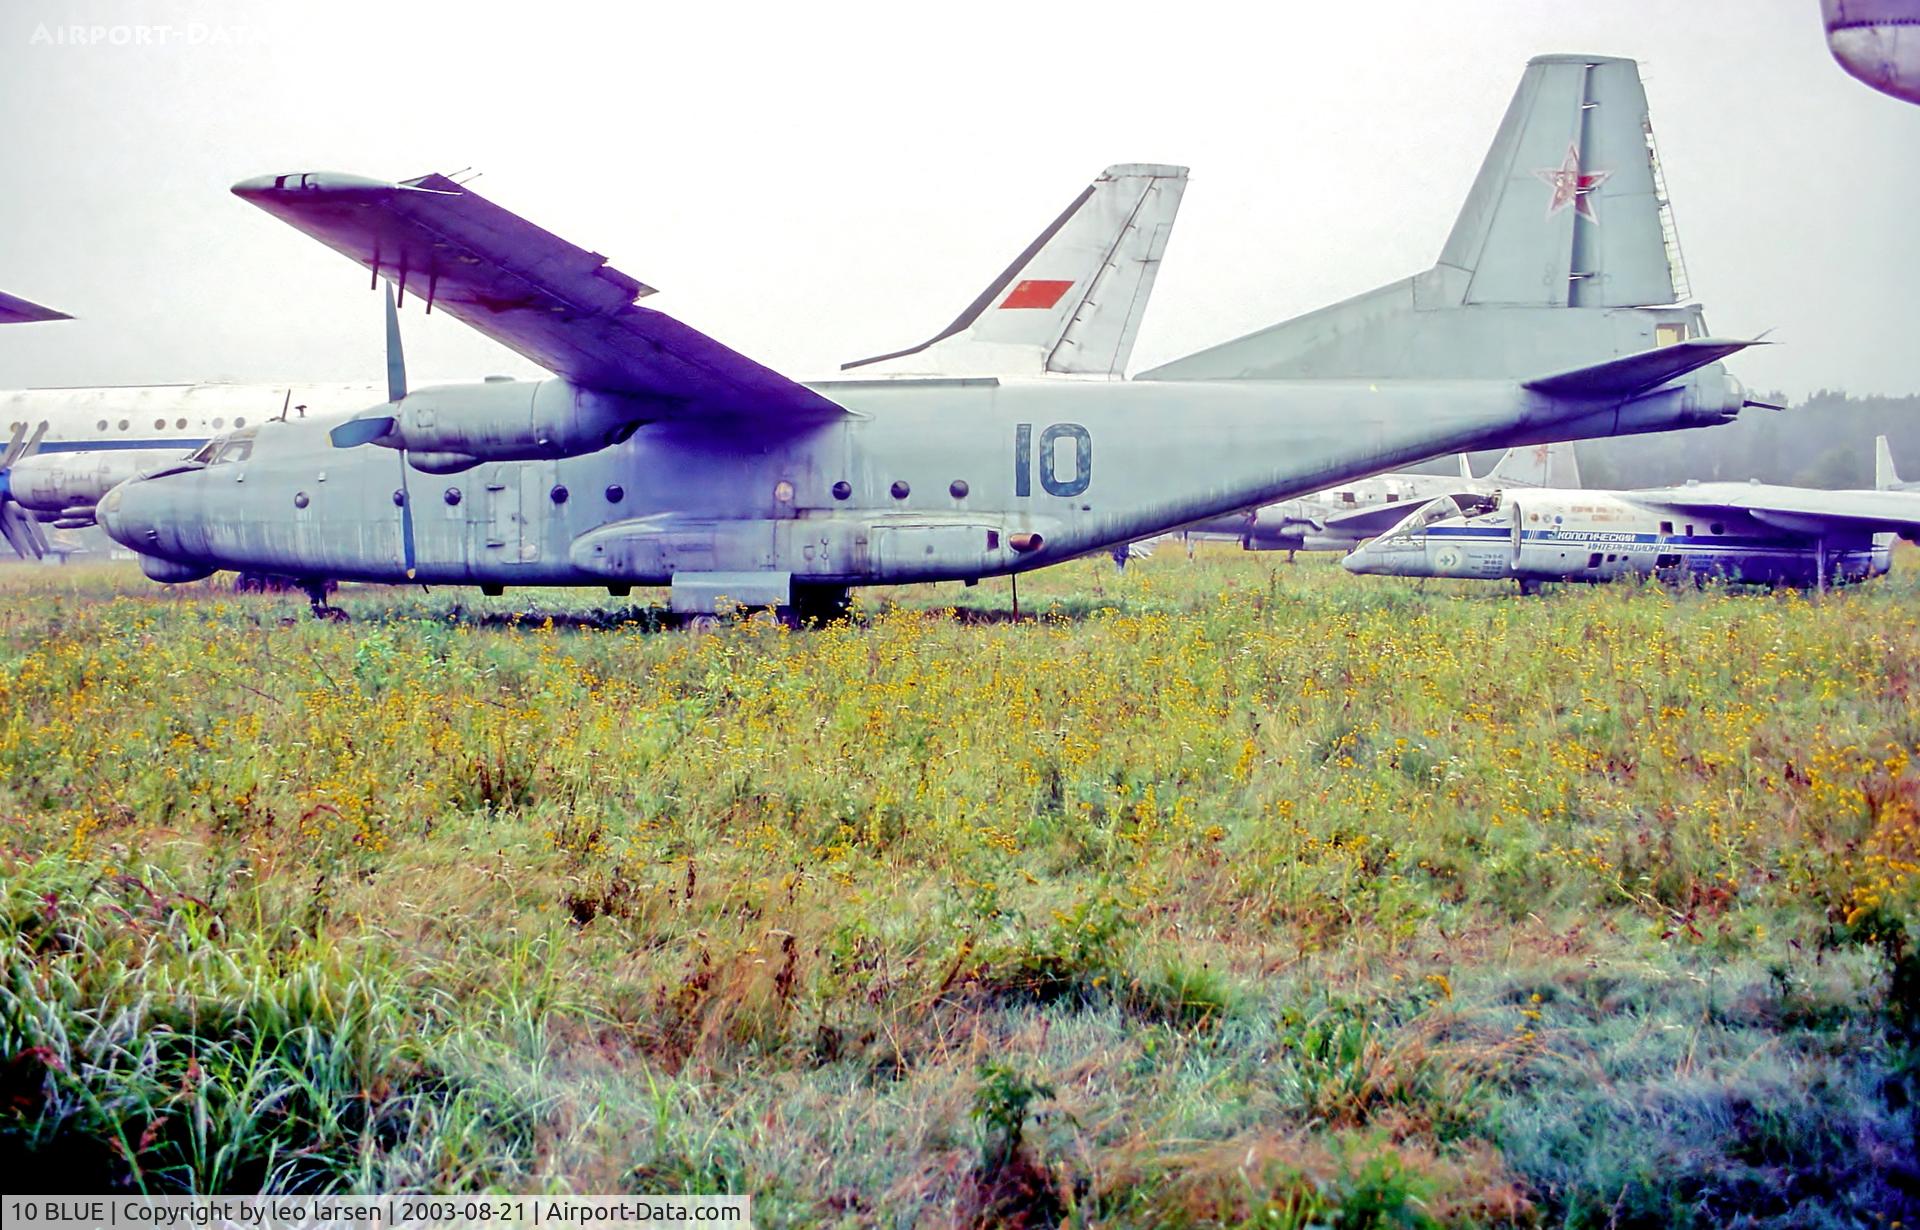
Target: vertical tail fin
x,y
1564,254
1072,302
1885,477
1537,465
1569,209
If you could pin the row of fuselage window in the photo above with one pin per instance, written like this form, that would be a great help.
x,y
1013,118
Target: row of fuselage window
x,y
219,424
616,493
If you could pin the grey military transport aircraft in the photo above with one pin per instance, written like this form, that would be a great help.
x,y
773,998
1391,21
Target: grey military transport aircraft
x,y
658,456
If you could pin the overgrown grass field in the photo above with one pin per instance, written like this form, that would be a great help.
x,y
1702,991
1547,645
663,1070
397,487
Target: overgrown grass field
x,y
1217,892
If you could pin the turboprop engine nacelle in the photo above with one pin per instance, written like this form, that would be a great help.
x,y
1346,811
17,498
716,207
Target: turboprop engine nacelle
x,y
453,427
1279,527
1712,396
68,485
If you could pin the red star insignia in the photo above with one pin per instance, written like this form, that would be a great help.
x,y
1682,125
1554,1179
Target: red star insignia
x,y
1571,186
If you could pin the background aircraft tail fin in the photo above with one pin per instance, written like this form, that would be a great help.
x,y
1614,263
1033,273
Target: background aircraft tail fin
x,y
1885,477
1073,300
1564,254
1570,206
1538,465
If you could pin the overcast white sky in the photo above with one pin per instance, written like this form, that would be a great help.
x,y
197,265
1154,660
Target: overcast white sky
x,y
814,182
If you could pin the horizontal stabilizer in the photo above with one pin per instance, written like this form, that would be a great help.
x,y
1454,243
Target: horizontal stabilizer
x,y
557,304
15,310
1634,374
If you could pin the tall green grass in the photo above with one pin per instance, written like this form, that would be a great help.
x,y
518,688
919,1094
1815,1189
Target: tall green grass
x,y
1285,896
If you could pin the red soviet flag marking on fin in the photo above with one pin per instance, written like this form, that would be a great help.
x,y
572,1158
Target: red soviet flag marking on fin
x,y
1035,293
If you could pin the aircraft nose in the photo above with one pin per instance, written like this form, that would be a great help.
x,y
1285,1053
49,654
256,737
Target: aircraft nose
x,y
121,523
1351,561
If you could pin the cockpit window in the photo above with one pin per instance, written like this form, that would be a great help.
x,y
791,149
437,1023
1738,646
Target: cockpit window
x,y
225,449
1423,516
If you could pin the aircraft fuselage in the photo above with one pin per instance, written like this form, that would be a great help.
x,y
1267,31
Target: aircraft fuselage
x,y
924,480
1598,536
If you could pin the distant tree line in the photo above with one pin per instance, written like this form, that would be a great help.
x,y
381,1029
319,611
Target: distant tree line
x,y
1825,441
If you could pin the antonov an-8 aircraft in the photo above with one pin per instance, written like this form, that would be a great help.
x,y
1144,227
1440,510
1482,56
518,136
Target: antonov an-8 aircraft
x,y
1747,533
1075,297
657,456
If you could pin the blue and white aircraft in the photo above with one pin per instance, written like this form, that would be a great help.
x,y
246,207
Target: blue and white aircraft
x,y
1747,533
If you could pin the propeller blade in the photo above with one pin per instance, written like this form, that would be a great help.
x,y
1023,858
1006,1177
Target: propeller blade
x,y
396,358
33,443
1761,405
11,453
355,432
20,532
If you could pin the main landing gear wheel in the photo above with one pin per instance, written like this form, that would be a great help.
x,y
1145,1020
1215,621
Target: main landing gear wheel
x,y
268,583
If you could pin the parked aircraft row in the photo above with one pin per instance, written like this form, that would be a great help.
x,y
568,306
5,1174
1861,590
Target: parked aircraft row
x,y
1009,441
1750,533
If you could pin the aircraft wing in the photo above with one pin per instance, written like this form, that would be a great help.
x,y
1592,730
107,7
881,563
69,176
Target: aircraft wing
x,y
1801,510
15,310
559,305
